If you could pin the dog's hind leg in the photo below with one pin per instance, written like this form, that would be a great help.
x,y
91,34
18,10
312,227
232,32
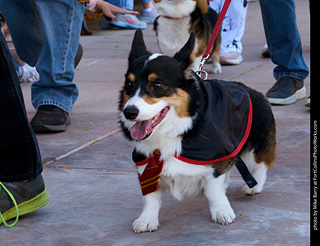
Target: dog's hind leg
x,y
148,220
220,208
258,169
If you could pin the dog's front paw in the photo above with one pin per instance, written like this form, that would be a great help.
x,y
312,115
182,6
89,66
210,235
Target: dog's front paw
x,y
145,225
224,216
216,68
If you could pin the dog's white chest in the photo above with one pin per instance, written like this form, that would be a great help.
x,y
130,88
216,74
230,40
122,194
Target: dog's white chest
x,y
183,179
172,34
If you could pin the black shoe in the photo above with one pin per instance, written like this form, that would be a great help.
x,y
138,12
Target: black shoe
x,y
50,118
79,55
19,198
286,90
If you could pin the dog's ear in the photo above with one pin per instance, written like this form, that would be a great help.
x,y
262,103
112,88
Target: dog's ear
x,y
138,47
203,6
184,55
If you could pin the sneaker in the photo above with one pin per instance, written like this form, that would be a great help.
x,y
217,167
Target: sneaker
x,y
19,198
149,15
231,58
286,90
105,23
28,74
50,118
128,21
308,102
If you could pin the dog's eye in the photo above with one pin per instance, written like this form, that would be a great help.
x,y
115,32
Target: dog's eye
x,y
128,84
157,86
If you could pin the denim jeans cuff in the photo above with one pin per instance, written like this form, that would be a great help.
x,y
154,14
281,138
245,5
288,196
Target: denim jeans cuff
x,y
49,102
290,74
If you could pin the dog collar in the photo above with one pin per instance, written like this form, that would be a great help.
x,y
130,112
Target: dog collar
x,y
173,18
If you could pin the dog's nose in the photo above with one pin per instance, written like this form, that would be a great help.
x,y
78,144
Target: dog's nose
x,y
131,112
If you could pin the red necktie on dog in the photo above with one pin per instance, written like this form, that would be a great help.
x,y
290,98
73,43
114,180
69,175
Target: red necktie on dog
x,y
149,179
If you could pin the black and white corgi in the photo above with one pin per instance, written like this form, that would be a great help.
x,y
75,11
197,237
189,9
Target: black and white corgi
x,y
177,19
188,132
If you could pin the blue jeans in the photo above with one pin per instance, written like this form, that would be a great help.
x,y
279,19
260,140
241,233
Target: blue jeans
x,y
126,4
60,32
283,39
61,21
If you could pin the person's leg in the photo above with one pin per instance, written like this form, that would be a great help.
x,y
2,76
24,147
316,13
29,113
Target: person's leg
x,y
149,13
283,38
28,41
125,4
61,21
285,49
22,189
19,152
232,31
242,11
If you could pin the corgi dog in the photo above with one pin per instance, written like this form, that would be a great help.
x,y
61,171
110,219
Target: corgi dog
x,y
188,133
177,19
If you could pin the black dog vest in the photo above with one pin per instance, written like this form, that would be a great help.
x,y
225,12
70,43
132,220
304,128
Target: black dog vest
x,y
228,118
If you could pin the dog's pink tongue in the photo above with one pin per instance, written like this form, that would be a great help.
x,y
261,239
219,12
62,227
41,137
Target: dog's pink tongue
x,y
140,130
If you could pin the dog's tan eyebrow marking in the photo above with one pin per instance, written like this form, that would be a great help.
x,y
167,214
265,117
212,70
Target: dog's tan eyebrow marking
x,y
180,101
132,77
152,77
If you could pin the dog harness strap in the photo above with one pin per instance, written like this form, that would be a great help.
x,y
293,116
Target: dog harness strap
x,y
149,179
226,125
245,173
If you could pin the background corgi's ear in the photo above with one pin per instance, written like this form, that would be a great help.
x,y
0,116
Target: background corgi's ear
x,y
138,47
184,56
203,6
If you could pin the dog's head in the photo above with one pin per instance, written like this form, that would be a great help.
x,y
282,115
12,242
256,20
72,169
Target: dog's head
x,y
159,92
180,8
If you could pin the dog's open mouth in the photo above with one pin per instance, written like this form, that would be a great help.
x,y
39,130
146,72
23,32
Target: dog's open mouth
x,y
143,129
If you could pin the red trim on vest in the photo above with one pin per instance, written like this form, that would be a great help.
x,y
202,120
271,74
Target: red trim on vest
x,y
233,154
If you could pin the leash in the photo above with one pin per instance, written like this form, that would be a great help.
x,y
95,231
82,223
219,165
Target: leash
x,y
216,29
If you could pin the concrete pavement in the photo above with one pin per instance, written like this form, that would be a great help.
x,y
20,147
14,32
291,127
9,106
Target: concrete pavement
x,y
95,194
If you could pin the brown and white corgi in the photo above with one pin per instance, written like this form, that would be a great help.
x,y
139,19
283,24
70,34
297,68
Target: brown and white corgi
x,y
188,133
177,19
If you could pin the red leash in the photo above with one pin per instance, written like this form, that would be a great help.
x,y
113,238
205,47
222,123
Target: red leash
x,y
216,29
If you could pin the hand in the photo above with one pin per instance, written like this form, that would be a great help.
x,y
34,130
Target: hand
x,y
109,10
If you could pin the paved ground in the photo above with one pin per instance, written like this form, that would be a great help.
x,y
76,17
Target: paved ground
x,y
95,195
